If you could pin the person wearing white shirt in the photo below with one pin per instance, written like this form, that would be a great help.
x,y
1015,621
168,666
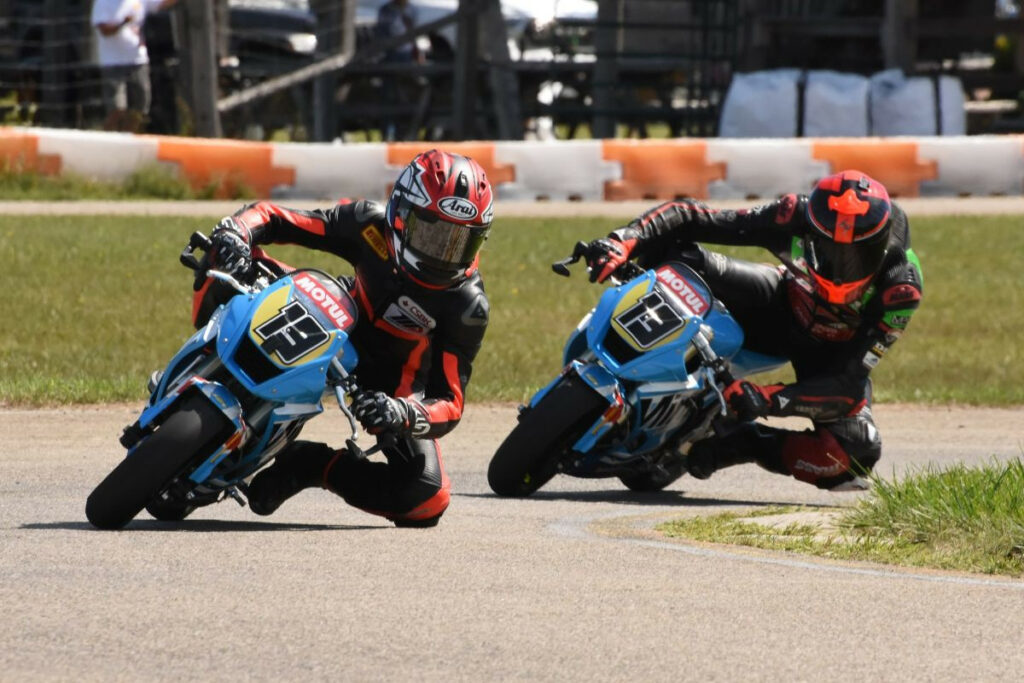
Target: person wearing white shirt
x,y
123,59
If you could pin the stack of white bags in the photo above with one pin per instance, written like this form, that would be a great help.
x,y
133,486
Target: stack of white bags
x,y
765,104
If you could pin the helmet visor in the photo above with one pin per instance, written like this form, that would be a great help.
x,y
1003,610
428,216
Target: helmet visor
x,y
441,243
844,263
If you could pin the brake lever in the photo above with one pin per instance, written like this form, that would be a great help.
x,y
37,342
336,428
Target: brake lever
x,y
197,241
345,384
562,267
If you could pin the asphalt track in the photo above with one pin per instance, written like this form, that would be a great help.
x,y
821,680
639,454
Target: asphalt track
x,y
571,584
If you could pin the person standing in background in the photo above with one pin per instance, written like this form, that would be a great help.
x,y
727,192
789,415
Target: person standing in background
x,y
124,60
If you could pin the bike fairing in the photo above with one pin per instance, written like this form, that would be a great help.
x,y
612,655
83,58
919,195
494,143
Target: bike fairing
x,y
643,335
297,322
259,369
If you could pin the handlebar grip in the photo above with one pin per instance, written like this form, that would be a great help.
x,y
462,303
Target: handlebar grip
x,y
725,375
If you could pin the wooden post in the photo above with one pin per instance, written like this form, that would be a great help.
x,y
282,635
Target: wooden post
x,y
610,14
503,80
336,35
465,90
752,36
899,34
52,79
201,46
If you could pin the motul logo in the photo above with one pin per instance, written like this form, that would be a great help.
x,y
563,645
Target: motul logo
x,y
681,288
327,303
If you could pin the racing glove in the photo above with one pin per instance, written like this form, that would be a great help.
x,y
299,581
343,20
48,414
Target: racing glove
x,y
606,255
230,250
749,401
380,413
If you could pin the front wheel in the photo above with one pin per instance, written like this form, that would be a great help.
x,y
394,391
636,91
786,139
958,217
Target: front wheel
x,y
192,431
528,457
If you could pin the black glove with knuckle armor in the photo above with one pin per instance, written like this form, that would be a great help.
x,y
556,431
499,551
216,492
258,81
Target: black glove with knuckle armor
x,y
380,413
606,255
230,250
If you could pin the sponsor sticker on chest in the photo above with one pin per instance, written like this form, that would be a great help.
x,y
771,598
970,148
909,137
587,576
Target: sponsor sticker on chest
x,y
407,315
376,241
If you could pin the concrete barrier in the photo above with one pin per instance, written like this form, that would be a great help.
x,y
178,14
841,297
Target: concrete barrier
x,y
592,170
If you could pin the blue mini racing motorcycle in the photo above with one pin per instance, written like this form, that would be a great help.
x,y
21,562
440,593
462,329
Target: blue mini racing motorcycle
x,y
237,392
642,380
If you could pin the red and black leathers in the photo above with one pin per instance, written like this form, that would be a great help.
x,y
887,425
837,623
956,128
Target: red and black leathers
x,y
832,348
414,340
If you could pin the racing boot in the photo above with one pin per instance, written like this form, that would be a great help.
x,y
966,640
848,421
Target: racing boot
x,y
300,466
740,446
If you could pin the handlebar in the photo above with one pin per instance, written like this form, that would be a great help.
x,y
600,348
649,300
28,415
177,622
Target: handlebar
x,y
626,271
202,266
345,383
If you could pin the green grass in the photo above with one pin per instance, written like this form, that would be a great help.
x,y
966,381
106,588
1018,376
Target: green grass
x,y
959,518
93,304
150,182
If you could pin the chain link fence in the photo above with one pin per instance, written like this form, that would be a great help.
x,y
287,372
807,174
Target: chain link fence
x,y
559,69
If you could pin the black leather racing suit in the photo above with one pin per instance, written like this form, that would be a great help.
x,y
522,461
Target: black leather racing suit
x,y
414,341
832,348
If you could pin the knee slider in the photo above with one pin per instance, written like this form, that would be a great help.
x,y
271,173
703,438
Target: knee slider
x,y
860,439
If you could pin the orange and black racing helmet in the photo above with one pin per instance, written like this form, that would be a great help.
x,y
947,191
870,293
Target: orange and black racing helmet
x,y
849,212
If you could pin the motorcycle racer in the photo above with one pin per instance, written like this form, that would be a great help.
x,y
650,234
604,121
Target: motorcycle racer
x,y
422,317
846,288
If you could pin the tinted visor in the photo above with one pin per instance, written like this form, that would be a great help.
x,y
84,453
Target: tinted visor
x,y
844,263
441,243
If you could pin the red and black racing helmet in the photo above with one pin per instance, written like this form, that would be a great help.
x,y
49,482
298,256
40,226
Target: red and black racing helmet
x,y
849,212
440,212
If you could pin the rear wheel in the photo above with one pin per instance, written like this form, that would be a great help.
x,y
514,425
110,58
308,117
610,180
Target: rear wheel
x,y
528,457
190,433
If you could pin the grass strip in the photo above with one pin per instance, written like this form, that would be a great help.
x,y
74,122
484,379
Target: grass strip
x,y
92,304
956,518
149,182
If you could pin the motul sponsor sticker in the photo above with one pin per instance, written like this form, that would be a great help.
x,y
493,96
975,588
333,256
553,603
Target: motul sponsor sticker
x,y
682,289
324,301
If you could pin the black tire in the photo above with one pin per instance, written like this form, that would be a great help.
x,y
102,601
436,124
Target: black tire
x,y
528,457
168,511
655,480
184,437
